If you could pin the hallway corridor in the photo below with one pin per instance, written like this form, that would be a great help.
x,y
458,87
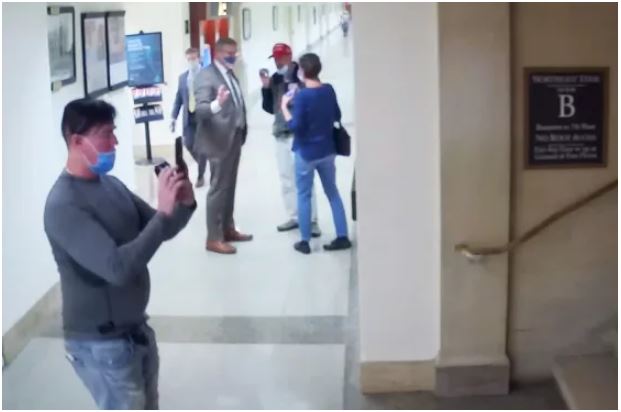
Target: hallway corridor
x,y
264,329
267,328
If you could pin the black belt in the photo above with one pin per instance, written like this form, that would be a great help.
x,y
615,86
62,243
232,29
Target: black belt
x,y
139,337
134,333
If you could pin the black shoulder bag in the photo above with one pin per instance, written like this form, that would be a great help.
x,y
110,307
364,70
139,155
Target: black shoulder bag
x,y
342,140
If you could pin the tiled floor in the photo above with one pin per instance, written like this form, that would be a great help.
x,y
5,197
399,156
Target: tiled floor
x,y
265,329
193,376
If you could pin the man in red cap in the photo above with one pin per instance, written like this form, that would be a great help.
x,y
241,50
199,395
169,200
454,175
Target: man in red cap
x,y
283,81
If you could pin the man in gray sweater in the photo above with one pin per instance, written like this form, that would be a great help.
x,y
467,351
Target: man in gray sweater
x,y
102,238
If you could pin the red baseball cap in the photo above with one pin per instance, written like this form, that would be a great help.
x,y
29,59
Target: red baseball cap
x,y
280,50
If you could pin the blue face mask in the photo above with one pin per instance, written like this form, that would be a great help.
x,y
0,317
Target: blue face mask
x,y
230,59
104,163
283,70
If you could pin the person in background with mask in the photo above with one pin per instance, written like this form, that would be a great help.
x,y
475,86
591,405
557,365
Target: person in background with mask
x,y
102,238
186,98
285,80
344,20
222,130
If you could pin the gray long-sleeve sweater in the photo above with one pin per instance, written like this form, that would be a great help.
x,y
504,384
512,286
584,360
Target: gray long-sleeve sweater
x,y
102,238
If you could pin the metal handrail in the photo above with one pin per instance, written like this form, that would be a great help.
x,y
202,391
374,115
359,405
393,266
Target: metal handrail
x,y
477,253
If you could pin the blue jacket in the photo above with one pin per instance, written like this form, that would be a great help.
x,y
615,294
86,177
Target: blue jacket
x,y
315,110
182,99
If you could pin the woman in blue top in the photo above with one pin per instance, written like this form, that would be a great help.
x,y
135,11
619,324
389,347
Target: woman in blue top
x,y
315,110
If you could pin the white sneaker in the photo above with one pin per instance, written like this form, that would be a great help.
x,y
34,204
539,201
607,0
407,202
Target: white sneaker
x,y
288,225
315,231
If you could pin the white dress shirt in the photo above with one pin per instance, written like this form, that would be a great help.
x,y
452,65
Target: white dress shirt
x,y
215,105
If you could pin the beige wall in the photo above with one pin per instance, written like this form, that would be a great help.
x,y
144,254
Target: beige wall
x,y
556,293
29,171
563,282
475,153
28,276
397,181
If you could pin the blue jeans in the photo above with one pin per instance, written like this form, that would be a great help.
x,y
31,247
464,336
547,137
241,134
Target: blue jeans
x,y
304,176
119,373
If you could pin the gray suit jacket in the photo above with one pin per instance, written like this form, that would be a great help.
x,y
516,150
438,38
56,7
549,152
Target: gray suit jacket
x,y
183,99
216,134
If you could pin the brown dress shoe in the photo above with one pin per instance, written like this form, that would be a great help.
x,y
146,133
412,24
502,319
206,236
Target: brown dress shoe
x,y
218,246
235,236
200,182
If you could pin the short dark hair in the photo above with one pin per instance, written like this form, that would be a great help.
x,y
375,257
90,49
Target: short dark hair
x,y
225,41
81,115
311,65
192,50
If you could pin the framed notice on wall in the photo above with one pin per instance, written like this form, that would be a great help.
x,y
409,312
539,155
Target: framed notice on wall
x,y
117,62
61,45
94,58
566,117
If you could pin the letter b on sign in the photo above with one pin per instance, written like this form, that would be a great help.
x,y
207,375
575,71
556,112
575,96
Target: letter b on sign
x,y
567,107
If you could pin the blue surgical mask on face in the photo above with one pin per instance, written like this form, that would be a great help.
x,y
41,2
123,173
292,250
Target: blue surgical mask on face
x,y
230,59
104,163
194,66
282,71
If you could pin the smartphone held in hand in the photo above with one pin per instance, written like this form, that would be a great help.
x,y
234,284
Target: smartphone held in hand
x,y
292,88
182,167
180,164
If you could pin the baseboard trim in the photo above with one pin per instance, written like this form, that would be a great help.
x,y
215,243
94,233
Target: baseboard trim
x,y
31,324
400,376
475,377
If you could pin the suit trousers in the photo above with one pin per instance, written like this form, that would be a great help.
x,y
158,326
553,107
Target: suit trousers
x,y
188,140
221,195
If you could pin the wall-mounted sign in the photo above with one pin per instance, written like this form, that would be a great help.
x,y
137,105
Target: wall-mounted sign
x,y
566,117
145,63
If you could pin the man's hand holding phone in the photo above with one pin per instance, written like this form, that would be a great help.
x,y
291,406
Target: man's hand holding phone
x,y
186,193
185,196
174,184
174,187
170,185
264,75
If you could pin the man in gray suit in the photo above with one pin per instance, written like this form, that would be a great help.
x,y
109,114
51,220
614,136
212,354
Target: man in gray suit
x,y
221,132
186,98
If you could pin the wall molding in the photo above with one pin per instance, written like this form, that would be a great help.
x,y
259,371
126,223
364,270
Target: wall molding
x,y
29,326
397,376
